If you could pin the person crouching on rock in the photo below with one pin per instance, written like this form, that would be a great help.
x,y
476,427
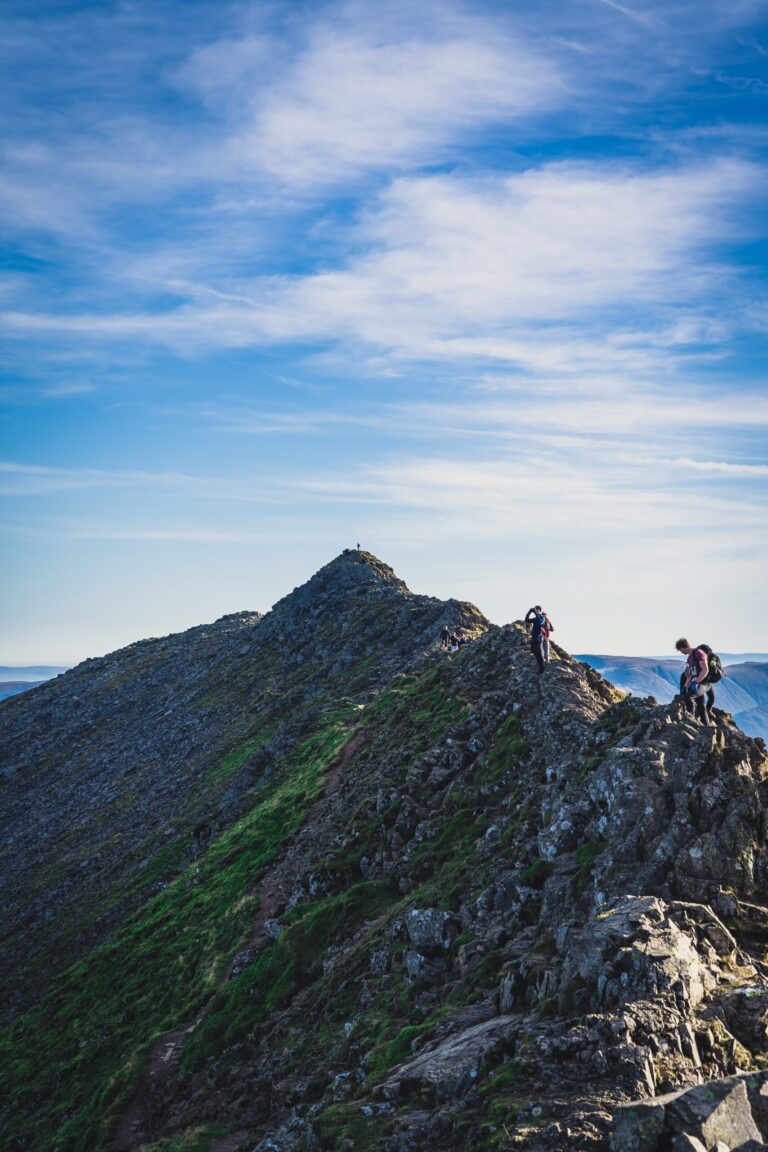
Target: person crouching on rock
x,y
541,627
695,684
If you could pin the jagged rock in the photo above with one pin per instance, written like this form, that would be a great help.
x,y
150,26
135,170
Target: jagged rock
x,y
379,963
687,1143
718,1111
746,1013
638,1127
635,948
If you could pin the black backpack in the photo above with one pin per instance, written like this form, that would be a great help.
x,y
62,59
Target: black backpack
x,y
716,670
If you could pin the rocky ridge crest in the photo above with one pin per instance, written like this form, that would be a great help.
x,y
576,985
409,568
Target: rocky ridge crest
x,y
117,773
471,908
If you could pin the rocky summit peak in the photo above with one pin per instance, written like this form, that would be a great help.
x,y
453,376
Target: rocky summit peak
x,y
350,574
357,564
311,881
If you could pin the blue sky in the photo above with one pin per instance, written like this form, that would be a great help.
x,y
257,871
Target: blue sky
x,y
481,286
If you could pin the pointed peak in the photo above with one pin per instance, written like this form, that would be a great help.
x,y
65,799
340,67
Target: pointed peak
x,y
352,571
361,567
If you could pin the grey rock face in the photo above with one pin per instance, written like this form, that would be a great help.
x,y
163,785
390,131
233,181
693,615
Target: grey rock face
x,y
635,948
712,1114
430,928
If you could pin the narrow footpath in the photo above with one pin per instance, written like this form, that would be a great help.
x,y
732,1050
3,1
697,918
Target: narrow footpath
x,y
133,1127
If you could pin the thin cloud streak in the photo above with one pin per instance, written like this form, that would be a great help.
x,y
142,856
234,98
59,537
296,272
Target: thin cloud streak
x,y
723,467
490,500
24,480
451,264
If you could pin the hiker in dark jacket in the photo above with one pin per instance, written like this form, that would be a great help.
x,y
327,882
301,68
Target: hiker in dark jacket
x,y
695,685
445,636
541,627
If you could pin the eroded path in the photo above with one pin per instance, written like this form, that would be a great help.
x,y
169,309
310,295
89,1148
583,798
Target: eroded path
x,y
133,1127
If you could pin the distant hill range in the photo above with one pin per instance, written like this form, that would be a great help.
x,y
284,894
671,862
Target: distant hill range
x,y
743,692
13,687
31,673
15,680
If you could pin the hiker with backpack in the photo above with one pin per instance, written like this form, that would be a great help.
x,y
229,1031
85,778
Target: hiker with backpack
x,y
702,670
541,627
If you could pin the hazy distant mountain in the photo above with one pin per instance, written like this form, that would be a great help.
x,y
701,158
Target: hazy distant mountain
x,y
16,680
31,672
743,657
13,687
743,692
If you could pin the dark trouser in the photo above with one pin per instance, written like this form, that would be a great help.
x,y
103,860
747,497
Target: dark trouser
x,y
540,649
702,703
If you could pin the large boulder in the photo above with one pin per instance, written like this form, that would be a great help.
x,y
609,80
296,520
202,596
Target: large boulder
x,y
430,928
718,1111
635,949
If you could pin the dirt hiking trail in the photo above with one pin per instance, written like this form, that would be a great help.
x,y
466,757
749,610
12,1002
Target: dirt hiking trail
x,y
132,1128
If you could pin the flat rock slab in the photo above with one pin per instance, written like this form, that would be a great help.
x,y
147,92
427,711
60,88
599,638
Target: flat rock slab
x,y
450,1068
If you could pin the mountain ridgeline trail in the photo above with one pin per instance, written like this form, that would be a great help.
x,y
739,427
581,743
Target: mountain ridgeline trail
x,y
303,881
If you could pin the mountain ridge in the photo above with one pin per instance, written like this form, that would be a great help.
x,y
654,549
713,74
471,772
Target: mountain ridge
x,y
417,899
206,678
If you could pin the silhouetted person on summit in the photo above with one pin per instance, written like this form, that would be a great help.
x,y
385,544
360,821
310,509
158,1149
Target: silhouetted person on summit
x,y
541,627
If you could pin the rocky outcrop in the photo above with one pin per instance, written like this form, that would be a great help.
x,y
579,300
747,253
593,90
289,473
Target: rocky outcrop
x,y
722,1114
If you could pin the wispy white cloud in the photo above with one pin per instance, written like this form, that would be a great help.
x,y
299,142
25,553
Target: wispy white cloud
x,y
68,388
620,411
290,111
349,104
449,266
542,497
723,467
20,479
172,534
638,15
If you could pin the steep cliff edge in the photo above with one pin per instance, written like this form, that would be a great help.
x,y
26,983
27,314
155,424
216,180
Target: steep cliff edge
x,y
459,906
